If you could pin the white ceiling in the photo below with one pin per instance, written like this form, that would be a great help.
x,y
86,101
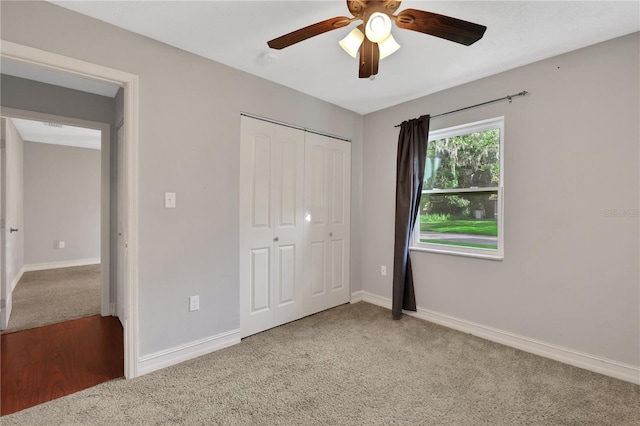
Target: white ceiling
x,y
235,33
58,134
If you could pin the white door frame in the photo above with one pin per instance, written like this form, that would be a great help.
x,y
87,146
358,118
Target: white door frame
x,y
53,61
105,166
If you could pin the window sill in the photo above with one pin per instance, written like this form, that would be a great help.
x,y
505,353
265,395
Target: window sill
x,y
489,256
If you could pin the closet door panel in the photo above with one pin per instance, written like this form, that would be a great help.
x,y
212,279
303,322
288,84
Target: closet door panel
x,y
261,181
256,227
288,187
260,274
337,265
286,275
327,191
317,269
317,170
317,187
271,225
340,226
287,191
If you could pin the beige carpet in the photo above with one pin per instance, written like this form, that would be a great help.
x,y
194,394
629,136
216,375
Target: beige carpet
x,y
353,365
55,295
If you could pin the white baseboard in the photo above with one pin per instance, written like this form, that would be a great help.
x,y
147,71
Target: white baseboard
x,y
15,281
356,296
178,354
597,364
61,264
5,313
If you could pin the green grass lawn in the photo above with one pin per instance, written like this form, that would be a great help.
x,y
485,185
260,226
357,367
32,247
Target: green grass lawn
x,y
461,226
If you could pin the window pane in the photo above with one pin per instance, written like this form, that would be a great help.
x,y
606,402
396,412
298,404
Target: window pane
x,y
460,219
466,161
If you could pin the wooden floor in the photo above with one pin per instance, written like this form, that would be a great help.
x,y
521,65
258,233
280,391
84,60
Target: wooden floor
x,y
45,363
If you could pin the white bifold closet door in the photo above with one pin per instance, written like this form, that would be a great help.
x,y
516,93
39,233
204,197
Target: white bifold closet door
x,y
271,225
294,224
327,222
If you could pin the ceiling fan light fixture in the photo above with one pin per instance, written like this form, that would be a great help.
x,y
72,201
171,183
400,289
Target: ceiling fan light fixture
x,y
388,46
351,43
372,39
378,27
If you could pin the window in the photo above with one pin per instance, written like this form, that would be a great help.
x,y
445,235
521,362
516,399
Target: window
x,y
461,204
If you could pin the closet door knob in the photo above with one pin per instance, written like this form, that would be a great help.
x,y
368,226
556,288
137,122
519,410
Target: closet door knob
x,y
331,234
275,239
12,230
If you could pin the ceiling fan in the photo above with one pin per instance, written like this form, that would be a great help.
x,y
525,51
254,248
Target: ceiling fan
x,y
373,40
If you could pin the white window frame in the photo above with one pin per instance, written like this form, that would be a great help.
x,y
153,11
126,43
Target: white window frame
x,y
497,254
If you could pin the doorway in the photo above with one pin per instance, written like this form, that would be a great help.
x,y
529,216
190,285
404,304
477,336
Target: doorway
x,y
88,71
60,268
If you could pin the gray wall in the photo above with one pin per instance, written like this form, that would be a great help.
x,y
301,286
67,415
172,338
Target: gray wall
x,y
570,271
189,132
14,202
30,95
61,202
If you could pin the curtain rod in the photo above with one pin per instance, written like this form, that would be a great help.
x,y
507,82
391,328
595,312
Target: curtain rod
x,y
509,97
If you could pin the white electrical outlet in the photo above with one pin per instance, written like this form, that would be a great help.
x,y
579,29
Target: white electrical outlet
x,y
194,303
169,200
61,244
383,271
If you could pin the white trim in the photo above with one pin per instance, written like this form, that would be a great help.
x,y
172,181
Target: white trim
x,y
471,190
131,353
178,354
8,307
356,296
427,248
61,264
597,364
476,252
15,281
53,61
4,318
374,299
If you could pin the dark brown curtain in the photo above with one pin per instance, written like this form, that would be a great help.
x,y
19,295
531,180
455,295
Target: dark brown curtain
x,y
412,153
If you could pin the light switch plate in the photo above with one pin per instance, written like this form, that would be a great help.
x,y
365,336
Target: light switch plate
x,y
170,200
194,303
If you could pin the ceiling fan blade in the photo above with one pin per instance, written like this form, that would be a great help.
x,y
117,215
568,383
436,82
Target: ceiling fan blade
x,y
308,32
452,29
369,58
